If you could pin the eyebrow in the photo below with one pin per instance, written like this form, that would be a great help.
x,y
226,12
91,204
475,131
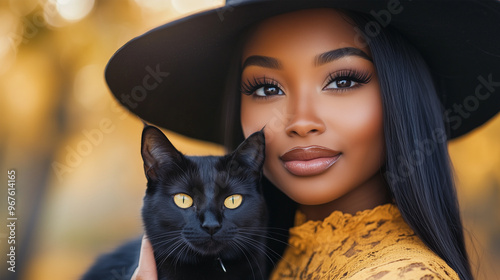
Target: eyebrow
x,y
340,53
263,61
329,56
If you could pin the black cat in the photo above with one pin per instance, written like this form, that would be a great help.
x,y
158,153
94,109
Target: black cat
x,y
205,216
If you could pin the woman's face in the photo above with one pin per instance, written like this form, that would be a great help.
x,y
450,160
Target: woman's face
x,y
314,88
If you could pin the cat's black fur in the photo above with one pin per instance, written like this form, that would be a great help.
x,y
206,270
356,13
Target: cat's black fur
x,y
201,241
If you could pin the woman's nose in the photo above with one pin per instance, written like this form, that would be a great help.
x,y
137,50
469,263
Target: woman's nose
x,y
304,118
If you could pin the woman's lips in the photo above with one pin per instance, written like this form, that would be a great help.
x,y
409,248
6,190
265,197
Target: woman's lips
x,y
309,161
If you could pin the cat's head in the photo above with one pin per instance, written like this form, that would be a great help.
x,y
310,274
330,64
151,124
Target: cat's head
x,y
208,205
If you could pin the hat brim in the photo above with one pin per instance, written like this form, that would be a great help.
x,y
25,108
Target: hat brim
x,y
174,75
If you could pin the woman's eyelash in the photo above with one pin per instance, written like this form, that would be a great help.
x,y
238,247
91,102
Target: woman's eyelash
x,y
250,86
353,75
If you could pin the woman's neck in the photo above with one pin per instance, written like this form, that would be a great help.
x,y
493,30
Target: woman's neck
x,y
368,195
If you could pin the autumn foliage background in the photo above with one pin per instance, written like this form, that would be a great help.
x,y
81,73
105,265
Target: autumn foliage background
x,y
76,152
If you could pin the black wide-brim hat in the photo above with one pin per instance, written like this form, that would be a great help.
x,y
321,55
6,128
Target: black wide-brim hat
x,y
174,76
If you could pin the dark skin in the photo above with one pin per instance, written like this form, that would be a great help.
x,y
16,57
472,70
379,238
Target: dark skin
x,y
307,100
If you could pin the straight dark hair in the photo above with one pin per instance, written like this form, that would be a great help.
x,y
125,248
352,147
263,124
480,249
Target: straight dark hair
x,y
417,169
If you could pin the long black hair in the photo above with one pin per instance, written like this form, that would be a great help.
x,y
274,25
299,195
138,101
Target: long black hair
x,y
417,169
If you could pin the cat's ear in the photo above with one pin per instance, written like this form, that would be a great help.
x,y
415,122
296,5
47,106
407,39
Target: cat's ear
x,y
156,151
250,154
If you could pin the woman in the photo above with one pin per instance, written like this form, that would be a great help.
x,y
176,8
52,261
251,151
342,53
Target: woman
x,y
354,134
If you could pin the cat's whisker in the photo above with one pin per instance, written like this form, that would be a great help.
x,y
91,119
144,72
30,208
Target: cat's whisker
x,y
261,247
278,237
181,254
253,256
163,237
164,234
166,241
265,236
176,251
248,233
169,251
267,230
235,242
268,248
167,244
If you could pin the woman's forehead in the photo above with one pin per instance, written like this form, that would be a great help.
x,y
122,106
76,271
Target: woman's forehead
x,y
315,30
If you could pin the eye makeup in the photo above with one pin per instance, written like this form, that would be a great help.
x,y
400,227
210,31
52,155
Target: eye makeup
x,y
347,79
261,87
340,80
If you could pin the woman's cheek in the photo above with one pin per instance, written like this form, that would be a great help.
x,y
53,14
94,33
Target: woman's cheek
x,y
364,131
256,115
250,117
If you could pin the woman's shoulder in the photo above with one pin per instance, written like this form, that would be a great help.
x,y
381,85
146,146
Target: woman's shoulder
x,y
418,267
374,244
407,259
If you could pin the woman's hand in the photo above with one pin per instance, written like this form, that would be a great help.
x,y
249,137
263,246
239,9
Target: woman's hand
x,y
146,270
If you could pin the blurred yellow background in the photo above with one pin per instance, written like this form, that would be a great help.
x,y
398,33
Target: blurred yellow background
x,y
76,153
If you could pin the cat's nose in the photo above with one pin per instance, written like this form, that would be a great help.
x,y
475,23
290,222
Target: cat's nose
x,y
210,223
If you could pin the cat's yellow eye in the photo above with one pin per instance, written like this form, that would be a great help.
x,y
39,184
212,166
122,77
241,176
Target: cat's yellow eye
x,y
233,201
183,200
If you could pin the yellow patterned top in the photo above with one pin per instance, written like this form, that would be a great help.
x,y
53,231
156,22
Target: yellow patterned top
x,y
373,244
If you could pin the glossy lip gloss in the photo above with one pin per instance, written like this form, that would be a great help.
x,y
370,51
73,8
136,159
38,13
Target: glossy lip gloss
x,y
310,160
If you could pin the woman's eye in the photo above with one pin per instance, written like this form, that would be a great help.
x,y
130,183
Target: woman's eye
x,y
233,201
342,83
261,87
347,79
268,90
183,200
